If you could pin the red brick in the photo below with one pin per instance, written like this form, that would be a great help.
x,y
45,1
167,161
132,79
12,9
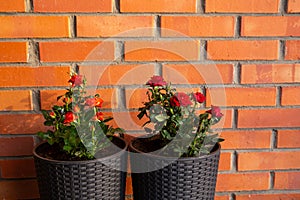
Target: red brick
x,y
292,50
16,146
72,6
270,26
225,161
221,197
13,51
19,189
249,161
21,168
293,6
117,74
179,50
246,139
288,139
197,26
115,26
135,97
76,51
22,76
287,180
245,6
16,100
290,96
21,123
163,6
49,97
241,96
198,73
242,181
268,118
286,196
12,6
34,26
242,50
270,73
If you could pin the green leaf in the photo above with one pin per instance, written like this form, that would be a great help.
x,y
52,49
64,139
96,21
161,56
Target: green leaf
x,y
161,117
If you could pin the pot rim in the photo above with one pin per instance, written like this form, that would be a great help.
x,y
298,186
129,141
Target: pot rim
x,y
119,153
135,150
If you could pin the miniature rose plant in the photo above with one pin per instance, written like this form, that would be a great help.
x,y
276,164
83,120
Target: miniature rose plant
x,y
78,126
176,122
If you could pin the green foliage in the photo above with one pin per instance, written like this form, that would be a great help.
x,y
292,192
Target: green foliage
x,y
78,126
175,120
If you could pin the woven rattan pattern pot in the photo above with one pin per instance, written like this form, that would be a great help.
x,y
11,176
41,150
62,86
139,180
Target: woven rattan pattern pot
x,y
183,179
82,180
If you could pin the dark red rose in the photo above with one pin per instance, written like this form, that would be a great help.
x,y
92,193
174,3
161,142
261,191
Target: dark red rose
x,y
156,81
100,116
183,99
76,80
174,101
215,111
69,117
199,97
91,102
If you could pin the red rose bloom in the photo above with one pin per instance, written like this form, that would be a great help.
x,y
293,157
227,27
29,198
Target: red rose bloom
x,y
215,111
76,80
184,99
69,117
156,81
174,101
199,97
100,116
97,102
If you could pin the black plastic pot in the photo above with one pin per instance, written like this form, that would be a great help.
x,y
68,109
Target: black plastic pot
x,y
166,178
103,178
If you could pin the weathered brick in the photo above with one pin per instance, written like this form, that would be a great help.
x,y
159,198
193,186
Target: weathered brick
x,y
198,74
292,50
288,139
13,51
197,26
34,26
19,189
16,146
270,26
241,96
12,6
246,139
21,123
115,26
287,180
268,160
76,51
242,181
135,97
293,6
245,6
268,118
16,100
242,49
276,196
225,161
22,76
163,6
72,6
290,96
270,73
20,168
180,50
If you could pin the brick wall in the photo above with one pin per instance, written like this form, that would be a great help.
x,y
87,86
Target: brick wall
x,y
244,54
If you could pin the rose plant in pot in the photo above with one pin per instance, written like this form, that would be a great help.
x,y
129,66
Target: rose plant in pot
x,y
82,156
179,160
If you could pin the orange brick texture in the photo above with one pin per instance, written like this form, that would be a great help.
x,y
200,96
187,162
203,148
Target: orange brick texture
x,y
243,54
